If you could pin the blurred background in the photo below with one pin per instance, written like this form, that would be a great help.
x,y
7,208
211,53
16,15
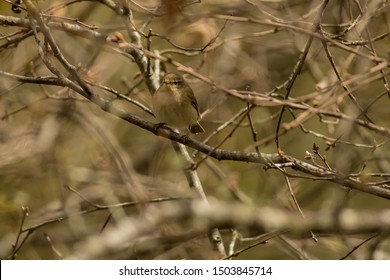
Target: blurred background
x,y
62,156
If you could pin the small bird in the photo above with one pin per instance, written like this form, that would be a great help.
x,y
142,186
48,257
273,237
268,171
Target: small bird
x,y
174,104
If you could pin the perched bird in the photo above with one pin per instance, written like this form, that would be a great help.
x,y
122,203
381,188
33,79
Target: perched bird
x,y
174,104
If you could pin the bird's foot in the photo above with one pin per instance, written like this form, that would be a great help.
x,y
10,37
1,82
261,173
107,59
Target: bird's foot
x,y
185,137
157,126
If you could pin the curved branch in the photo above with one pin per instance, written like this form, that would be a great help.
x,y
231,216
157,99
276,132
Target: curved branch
x,y
269,160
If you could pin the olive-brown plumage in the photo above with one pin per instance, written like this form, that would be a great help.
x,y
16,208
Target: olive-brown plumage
x,y
174,104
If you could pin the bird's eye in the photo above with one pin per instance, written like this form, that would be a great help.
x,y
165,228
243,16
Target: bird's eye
x,y
175,83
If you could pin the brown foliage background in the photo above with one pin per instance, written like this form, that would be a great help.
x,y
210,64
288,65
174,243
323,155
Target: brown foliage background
x,y
294,98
